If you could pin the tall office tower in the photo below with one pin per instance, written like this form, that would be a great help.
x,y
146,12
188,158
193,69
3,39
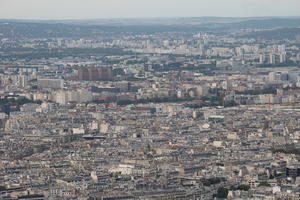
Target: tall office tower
x,y
72,96
274,76
262,58
281,48
23,80
282,58
238,51
84,95
75,96
298,57
105,73
50,83
31,72
272,59
166,43
95,73
201,47
293,76
83,74
61,97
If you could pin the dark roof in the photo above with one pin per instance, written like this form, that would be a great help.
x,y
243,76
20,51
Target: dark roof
x,y
31,196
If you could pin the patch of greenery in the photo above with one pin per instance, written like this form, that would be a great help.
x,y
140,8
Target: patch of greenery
x,y
287,151
241,187
221,193
11,104
258,92
264,183
152,100
212,181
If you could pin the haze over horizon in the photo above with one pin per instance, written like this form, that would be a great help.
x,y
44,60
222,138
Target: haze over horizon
x,y
92,9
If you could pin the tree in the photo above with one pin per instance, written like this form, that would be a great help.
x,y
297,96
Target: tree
x,y
264,183
222,193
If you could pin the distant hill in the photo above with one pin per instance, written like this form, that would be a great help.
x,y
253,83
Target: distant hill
x,y
276,34
266,23
106,27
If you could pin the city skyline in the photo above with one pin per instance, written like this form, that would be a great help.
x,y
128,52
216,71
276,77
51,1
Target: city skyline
x,y
183,108
92,9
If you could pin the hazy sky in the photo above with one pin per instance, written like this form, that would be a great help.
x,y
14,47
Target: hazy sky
x,y
78,9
